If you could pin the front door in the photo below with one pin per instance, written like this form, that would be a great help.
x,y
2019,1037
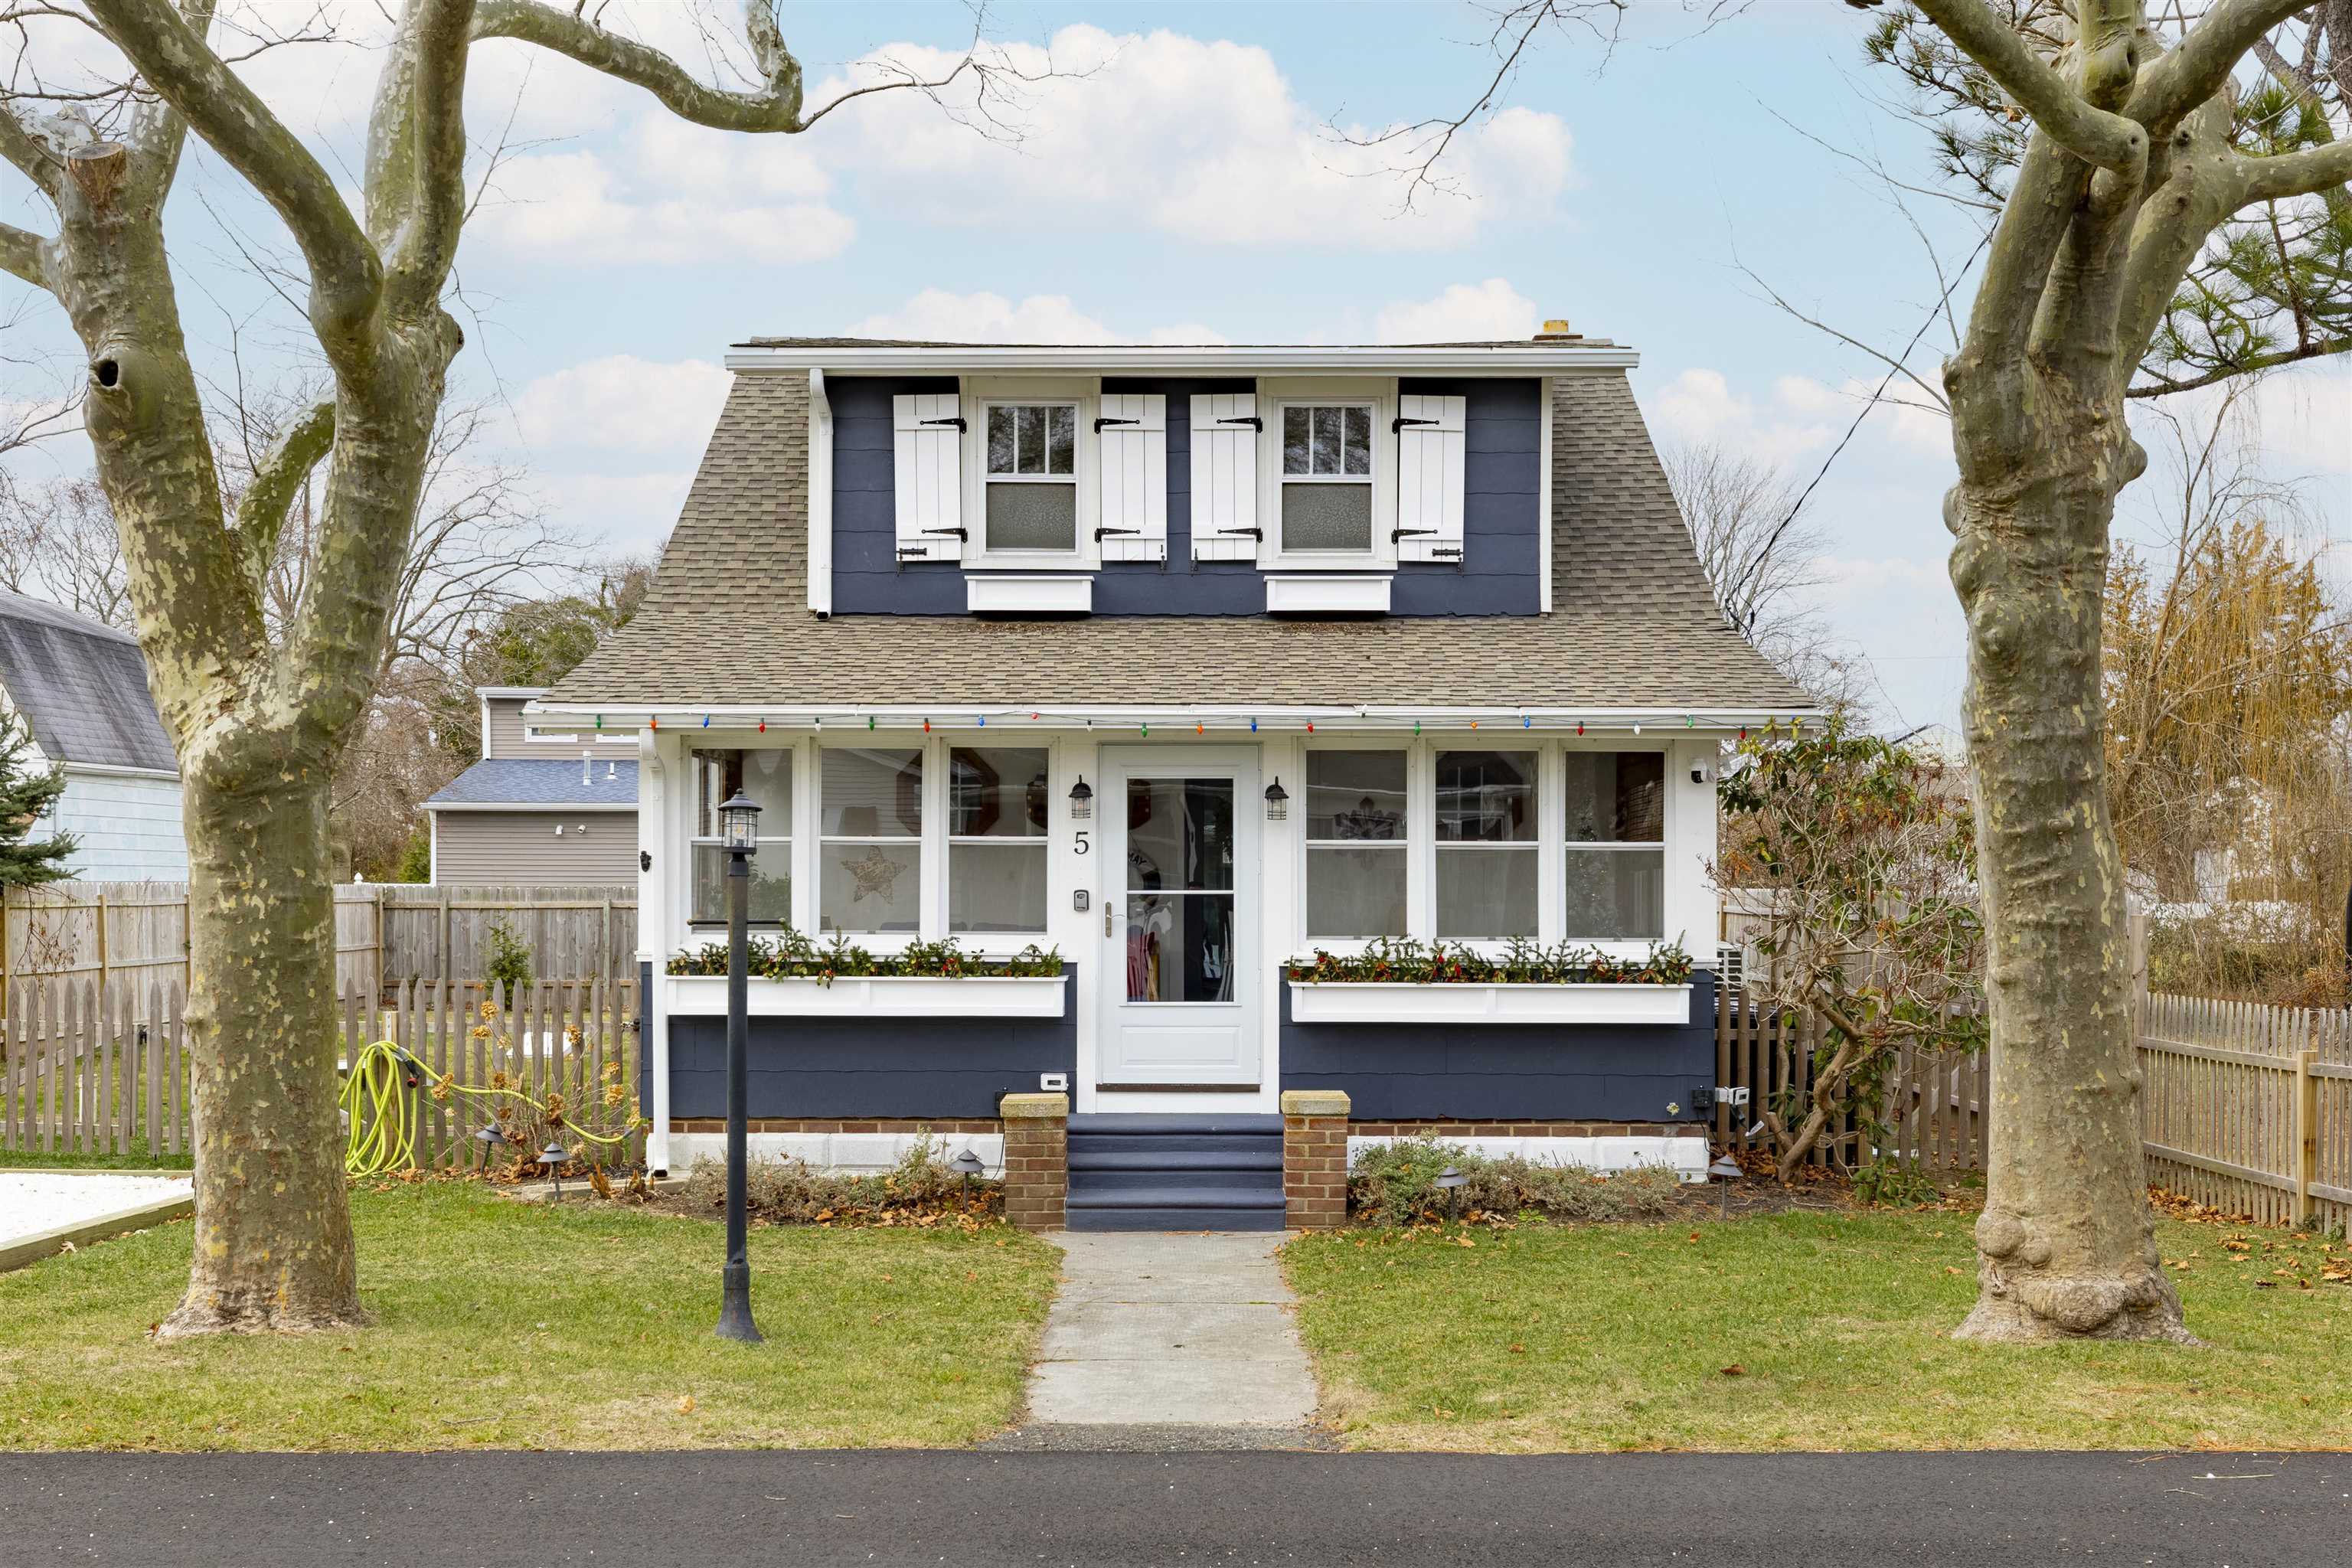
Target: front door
x,y
1180,855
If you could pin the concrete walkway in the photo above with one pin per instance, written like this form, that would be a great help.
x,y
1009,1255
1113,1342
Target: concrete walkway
x,y
1161,1339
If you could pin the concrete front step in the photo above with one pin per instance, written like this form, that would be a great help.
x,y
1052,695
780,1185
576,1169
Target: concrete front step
x,y
1256,1156
1131,1125
1103,1219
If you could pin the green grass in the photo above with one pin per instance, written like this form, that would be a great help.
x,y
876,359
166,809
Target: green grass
x,y
1602,1337
139,1159
505,1324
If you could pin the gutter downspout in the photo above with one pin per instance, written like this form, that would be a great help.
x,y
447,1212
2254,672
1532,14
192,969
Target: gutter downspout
x,y
652,821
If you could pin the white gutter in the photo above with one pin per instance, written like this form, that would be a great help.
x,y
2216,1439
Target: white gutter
x,y
942,715
1530,359
553,808
120,770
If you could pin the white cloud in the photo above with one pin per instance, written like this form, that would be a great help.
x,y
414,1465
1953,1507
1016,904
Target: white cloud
x,y
1699,405
1465,312
668,209
628,513
1201,139
624,404
985,318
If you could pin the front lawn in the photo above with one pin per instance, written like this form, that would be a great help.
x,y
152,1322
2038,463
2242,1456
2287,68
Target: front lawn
x,y
1800,1331
506,1324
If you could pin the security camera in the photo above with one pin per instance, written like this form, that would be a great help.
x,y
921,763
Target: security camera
x,y
1701,772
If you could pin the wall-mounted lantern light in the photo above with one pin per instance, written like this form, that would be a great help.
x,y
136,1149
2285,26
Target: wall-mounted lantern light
x,y
1082,800
1277,802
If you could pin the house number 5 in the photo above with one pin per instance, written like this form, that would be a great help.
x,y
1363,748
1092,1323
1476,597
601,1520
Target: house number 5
x,y
1084,847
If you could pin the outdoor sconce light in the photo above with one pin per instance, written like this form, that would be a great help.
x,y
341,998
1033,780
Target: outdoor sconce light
x,y
552,1158
1450,1181
739,823
967,1164
1277,802
1082,800
1726,1171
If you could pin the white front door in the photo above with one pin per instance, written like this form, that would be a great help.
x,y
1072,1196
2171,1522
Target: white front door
x,y
1179,838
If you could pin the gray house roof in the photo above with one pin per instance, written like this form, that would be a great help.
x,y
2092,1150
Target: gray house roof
x,y
1634,623
81,686
539,783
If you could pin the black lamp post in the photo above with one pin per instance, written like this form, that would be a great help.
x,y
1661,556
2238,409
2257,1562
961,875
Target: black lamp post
x,y
739,830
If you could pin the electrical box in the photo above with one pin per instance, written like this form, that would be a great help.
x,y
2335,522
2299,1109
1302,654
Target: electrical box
x,y
1052,1083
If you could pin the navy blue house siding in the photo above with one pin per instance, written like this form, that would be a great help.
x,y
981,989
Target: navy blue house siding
x,y
1519,1072
1501,526
942,1067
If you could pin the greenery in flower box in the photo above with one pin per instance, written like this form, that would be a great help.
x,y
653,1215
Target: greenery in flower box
x,y
794,955
1523,962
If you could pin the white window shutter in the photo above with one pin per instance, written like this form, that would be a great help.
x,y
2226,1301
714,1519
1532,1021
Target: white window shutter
x,y
1430,447
1224,475
926,449
1132,456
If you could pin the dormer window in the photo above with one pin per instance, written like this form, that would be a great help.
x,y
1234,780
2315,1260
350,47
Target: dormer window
x,y
1327,477
1030,489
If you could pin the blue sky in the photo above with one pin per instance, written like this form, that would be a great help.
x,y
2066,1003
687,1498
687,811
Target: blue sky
x,y
1185,185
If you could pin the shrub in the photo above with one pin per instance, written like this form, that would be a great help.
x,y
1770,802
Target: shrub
x,y
1396,1183
1524,962
794,955
793,1192
508,964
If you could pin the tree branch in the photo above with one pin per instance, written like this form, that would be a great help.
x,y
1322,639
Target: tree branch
x,y
2304,174
416,159
2110,141
346,277
777,107
277,479
25,255
2196,69
2160,387
31,155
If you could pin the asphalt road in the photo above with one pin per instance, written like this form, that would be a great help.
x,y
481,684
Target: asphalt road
x,y
983,1510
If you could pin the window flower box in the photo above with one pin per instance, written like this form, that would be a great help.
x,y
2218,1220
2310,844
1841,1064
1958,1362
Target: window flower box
x,y
1477,1002
875,997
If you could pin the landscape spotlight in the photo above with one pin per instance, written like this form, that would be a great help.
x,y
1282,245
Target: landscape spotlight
x,y
1726,1171
1450,1181
552,1158
488,1135
967,1164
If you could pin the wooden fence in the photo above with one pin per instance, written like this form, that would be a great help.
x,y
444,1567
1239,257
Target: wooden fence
x,y
574,932
104,1071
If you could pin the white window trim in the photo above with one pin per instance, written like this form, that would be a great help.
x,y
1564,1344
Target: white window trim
x,y
1422,847
1277,393
689,771
980,395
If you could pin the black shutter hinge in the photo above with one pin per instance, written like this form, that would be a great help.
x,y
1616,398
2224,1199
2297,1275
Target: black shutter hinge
x,y
1100,533
1257,533
956,422
1397,533
1100,423
961,533
1252,420
1400,421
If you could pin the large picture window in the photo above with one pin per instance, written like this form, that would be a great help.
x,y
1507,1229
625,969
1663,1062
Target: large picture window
x,y
997,816
1357,843
1487,848
1327,477
1616,856
870,844
1030,480
766,777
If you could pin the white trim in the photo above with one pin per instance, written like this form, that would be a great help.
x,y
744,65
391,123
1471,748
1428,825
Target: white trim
x,y
1514,360
523,691
1543,496
115,771
1387,1002
1709,719
1277,394
433,849
572,737
655,878
875,997
820,496
1685,1153
554,805
978,394
1328,593
1030,593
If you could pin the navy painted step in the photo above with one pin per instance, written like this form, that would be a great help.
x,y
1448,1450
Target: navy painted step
x,y
1175,1172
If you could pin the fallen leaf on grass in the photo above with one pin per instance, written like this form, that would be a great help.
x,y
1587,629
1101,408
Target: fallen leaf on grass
x,y
1735,1370
685,1406
1519,1349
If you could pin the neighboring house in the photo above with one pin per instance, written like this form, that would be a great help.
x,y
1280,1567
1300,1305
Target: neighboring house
x,y
82,688
1024,645
547,804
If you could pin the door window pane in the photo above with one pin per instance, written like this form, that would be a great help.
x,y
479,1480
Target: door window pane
x,y
1616,893
1616,798
1180,835
870,802
1179,947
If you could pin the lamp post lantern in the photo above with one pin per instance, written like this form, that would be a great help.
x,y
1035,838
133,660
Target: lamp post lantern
x,y
739,820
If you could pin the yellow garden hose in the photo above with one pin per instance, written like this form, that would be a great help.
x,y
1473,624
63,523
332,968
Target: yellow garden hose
x,y
379,1111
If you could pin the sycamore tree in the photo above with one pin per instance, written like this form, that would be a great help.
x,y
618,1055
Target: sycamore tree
x,y
260,708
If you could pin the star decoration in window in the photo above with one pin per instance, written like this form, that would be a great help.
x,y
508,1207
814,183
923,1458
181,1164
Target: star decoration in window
x,y
875,873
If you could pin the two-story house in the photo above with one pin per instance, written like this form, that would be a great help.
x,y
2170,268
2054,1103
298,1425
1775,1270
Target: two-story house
x,y
1184,661
550,803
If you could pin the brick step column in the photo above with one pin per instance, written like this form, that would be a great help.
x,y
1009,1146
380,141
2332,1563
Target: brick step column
x,y
1315,1158
1036,1160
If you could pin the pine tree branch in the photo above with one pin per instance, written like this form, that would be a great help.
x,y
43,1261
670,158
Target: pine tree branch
x,y
24,254
2066,116
2161,387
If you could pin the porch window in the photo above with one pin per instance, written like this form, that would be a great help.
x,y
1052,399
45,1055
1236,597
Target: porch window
x,y
1486,847
766,776
870,843
1616,857
1357,843
1327,477
997,814
1030,486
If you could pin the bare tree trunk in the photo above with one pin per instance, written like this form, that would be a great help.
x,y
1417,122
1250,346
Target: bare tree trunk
x,y
273,1245
2067,1243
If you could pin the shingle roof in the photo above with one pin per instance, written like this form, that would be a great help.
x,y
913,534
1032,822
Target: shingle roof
x,y
939,343
539,781
81,686
1634,623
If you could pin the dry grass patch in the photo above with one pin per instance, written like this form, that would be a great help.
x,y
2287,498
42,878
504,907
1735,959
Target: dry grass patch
x,y
504,1324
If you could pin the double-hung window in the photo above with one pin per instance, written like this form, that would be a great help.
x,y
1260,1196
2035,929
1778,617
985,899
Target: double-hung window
x,y
998,802
765,777
1327,477
870,844
1616,856
1357,843
1030,482
1486,845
